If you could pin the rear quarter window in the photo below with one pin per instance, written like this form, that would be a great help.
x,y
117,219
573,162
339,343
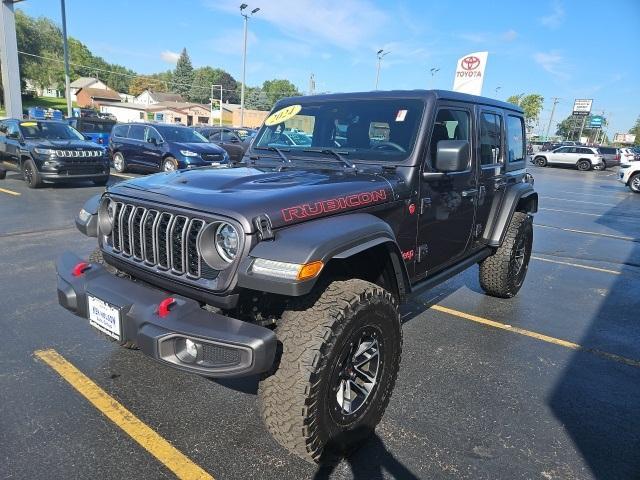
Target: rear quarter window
x,y
120,131
515,139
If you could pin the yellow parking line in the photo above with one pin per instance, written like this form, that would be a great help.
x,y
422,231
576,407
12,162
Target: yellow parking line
x,y
588,232
578,265
10,192
537,336
122,175
172,458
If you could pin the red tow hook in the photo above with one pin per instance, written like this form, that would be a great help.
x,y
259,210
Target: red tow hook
x,y
80,268
165,307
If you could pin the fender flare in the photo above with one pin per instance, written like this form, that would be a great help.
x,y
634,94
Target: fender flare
x,y
338,237
521,197
88,225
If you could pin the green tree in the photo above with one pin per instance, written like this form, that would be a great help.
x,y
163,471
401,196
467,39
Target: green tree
x,y
531,106
636,130
257,99
277,89
204,77
140,84
183,74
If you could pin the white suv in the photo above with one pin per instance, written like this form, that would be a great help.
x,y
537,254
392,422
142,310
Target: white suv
x,y
583,158
630,176
627,156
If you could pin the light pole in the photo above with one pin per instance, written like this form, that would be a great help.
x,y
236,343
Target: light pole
x,y
244,59
211,100
433,71
67,81
381,53
553,110
497,90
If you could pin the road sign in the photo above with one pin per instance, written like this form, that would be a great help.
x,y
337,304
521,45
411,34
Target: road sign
x,y
596,122
624,138
582,106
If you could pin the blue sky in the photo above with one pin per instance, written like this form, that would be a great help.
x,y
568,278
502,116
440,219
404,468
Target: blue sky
x,y
568,49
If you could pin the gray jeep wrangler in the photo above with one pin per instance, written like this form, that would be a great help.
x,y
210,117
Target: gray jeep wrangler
x,y
292,264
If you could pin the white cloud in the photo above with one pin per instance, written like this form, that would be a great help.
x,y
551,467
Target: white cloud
x,y
509,35
169,56
552,62
347,25
555,18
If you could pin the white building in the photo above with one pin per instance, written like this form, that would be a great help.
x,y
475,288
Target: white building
x,y
125,112
149,97
85,82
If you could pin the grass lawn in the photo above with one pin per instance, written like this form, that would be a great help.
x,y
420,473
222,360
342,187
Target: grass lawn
x,y
47,102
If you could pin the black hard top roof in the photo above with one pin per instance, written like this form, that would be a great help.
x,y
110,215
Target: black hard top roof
x,y
390,94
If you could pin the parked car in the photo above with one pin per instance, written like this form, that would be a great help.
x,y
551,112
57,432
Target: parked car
x,y
627,155
630,176
234,140
50,151
610,157
289,138
549,146
583,158
161,147
94,128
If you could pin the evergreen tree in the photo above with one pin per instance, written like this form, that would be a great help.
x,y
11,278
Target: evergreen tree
x,y
183,75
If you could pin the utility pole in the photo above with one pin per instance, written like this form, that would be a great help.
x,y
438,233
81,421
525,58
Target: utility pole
x,y
9,60
211,100
584,120
244,60
380,54
312,84
67,81
553,110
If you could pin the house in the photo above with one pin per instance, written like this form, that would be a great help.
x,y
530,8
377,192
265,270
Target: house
x,y
125,112
50,91
85,82
125,97
149,97
92,97
186,113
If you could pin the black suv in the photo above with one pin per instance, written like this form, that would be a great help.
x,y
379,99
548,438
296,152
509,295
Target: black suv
x,y
161,147
50,151
234,140
293,265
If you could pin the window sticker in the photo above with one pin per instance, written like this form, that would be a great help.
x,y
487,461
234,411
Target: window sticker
x,y
282,115
29,124
401,115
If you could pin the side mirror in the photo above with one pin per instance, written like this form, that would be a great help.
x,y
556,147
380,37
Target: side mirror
x,y
14,135
152,140
452,156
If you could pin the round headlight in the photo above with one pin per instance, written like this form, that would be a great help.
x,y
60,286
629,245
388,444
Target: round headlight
x,y
106,214
227,242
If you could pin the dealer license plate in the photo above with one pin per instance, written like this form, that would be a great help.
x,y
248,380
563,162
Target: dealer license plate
x,y
104,317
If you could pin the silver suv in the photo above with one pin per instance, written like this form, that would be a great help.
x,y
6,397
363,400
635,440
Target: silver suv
x,y
583,158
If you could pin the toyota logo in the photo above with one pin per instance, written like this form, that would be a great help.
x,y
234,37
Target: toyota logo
x,y
470,62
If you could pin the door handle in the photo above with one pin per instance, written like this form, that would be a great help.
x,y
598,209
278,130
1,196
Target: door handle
x,y
469,193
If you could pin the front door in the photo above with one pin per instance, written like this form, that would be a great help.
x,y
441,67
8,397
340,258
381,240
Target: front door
x,y
562,156
153,150
12,146
447,203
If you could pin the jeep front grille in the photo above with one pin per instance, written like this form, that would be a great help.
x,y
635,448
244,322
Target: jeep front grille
x,y
159,239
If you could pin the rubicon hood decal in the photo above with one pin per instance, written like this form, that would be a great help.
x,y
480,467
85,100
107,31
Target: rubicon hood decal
x,y
308,210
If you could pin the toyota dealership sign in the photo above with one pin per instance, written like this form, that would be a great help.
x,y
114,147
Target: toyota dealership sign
x,y
470,73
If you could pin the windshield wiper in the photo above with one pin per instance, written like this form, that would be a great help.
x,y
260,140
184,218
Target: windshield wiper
x,y
282,156
331,151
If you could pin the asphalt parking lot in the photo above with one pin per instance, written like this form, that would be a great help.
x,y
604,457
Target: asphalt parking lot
x,y
545,385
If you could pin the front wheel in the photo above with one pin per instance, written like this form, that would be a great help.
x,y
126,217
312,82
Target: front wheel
x,y
584,165
169,164
3,174
503,273
31,174
119,163
340,357
540,161
634,183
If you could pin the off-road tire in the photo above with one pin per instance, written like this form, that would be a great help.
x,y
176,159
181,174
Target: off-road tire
x,y
296,400
96,257
634,183
169,164
584,165
540,161
31,174
500,274
119,162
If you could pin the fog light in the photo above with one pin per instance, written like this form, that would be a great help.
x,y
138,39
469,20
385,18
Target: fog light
x,y
187,350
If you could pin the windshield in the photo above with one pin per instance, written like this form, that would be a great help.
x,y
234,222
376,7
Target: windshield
x,y
95,126
377,130
49,131
182,134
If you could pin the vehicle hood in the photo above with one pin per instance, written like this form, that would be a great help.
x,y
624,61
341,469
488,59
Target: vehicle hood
x,y
62,144
244,193
199,147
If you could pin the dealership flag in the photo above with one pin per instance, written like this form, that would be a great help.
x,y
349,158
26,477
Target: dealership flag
x,y
470,73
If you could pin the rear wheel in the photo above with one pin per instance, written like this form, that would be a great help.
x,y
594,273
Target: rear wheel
x,y
540,161
634,183
169,164
338,366
584,165
31,174
600,166
119,163
503,273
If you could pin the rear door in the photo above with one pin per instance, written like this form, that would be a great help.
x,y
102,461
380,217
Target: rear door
x,y
447,204
136,146
232,144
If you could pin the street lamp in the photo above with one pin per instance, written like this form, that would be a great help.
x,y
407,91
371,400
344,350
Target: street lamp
x,y
433,71
244,6
498,89
381,53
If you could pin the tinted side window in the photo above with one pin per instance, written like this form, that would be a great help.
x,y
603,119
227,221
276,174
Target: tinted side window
x,y
120,131
215,136
227,136
136,132
12,129
585,151
152,133
515,138
490,138
450,125
3,129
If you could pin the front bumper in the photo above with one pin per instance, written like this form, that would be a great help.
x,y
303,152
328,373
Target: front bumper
x,y
231,347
